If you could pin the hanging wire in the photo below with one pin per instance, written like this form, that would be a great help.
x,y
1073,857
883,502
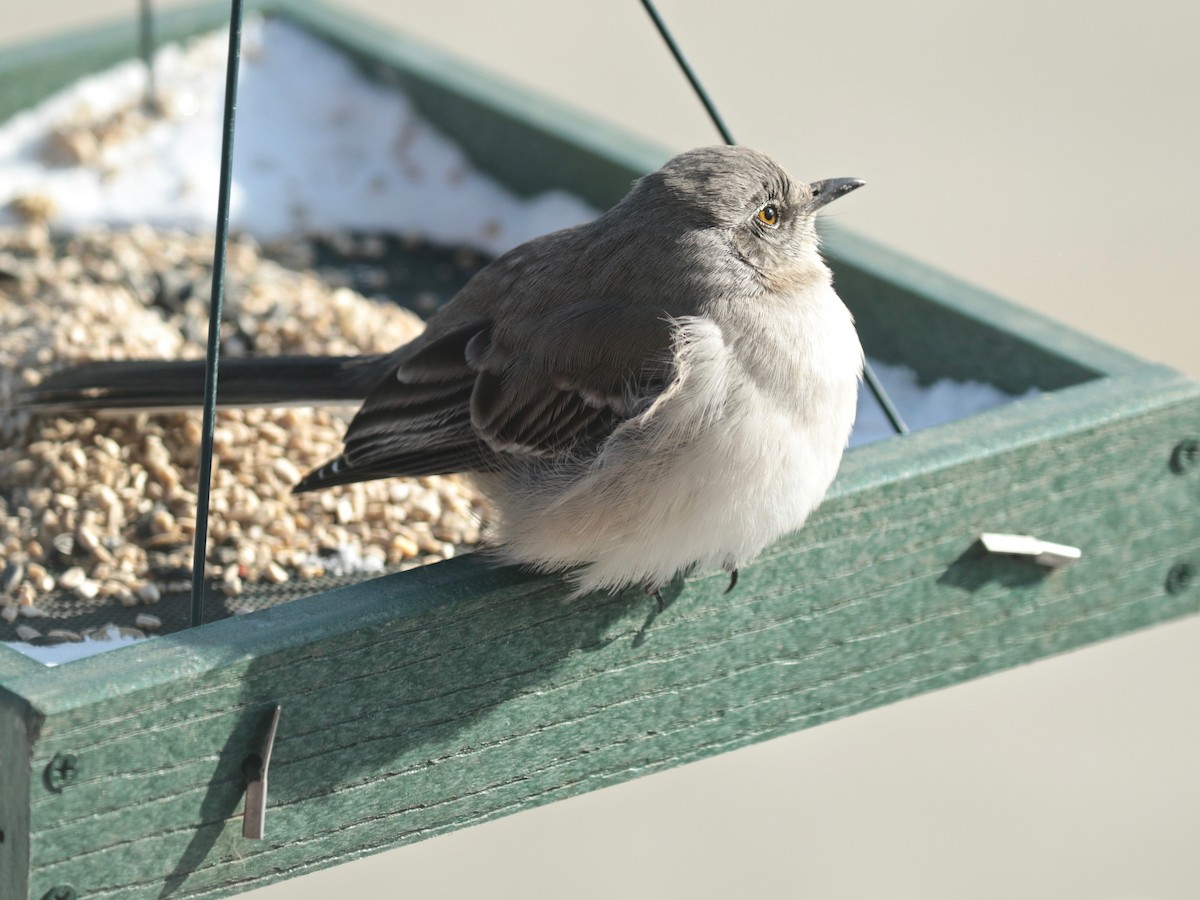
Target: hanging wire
x,y
885,401
214,313
872,380
146,43
687,71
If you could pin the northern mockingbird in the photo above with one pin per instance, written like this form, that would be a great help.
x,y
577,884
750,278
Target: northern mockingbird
x,y
671,385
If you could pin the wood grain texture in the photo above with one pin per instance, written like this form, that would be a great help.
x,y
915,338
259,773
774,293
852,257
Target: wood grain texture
x,y
13,663
19,726
443,697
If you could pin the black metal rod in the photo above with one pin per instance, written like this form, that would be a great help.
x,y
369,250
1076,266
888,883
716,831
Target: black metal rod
x,y
885,402
687,71
204,488
872,380
146,41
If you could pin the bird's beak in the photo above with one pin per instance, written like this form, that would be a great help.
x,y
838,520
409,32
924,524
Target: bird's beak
x,y
830,189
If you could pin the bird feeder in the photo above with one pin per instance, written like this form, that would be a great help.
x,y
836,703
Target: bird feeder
x,y
407,706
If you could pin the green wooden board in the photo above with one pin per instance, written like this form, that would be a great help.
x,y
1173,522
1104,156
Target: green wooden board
x,y
420,703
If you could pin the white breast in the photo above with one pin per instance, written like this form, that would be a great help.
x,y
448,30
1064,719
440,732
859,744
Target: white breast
x,y
721,465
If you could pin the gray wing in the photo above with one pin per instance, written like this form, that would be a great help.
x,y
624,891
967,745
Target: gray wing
x,y
496,378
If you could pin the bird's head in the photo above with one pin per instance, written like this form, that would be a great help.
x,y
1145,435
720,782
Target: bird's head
x,y
746,201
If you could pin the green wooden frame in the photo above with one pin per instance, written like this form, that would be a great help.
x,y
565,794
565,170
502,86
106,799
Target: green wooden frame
x,y
424,702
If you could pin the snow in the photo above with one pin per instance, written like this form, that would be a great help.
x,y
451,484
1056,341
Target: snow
x,y
922,406
318,147
57,654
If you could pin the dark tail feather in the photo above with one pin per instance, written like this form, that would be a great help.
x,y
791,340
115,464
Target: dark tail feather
x,y
476,457
139,385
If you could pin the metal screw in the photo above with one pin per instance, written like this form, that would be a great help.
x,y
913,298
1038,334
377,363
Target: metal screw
x,y
1180,578
1185,456
61,771
60,892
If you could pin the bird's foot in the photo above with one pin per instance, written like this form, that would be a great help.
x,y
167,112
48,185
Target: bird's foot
x,y
656,593
733,577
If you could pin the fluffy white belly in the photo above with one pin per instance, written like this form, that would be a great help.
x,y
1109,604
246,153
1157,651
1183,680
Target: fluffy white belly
x,y
710,474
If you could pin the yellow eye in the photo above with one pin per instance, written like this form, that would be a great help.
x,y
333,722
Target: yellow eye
x,y
769,215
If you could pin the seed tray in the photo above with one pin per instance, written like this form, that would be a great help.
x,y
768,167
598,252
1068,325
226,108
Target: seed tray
x,y
437,698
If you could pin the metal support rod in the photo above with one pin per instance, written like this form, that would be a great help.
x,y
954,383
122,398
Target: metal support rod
x,y
146,43
885,402
204,488
687,71
869,376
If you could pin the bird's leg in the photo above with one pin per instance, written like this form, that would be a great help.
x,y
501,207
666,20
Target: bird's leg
x,y
733,576
652,591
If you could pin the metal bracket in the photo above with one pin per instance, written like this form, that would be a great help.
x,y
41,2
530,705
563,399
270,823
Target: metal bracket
x,y
255,767
1045,553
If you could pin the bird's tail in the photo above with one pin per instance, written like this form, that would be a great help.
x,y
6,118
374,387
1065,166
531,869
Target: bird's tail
x,y
156,385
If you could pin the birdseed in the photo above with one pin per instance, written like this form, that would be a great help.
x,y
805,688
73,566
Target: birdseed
x,y
102,508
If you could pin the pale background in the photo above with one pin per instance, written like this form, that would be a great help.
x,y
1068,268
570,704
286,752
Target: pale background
x,y
1040,148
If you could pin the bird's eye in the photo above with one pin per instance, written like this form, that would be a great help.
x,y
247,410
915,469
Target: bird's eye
x,y
769,215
